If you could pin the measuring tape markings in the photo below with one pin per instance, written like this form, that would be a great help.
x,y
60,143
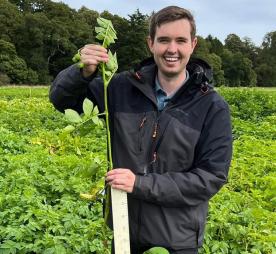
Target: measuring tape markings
x,y
120,221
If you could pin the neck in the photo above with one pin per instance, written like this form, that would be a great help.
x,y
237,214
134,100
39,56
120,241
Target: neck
x,y
171,84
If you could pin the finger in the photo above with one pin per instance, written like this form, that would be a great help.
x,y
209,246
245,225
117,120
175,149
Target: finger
x,y
93,61
118,171
94,47
94,52
119,187
117,178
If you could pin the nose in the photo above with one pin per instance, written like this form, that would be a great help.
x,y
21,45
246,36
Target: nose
x,y
172,47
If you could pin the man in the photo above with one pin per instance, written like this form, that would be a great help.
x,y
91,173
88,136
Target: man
x,y
171,133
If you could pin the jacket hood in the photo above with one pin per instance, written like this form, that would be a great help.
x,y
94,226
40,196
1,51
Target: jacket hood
x,y
199,70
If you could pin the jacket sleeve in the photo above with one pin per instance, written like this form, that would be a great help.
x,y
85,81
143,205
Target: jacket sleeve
x,y
208,174
70,88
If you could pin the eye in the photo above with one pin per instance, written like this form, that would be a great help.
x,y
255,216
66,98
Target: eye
x,y
182,40
163,40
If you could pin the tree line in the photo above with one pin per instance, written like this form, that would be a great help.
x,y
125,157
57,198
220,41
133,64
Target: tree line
x,y
39,38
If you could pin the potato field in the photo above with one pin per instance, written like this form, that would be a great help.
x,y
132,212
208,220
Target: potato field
x,y
43,170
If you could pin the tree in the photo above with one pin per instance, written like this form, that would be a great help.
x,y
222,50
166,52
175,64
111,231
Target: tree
x,y
216,63
203,51
14,66
133,41
266,69
30,43
11,19
202,48
250,50
234,43
215,45
238,69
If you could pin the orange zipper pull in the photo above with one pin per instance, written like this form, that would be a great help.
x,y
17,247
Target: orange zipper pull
x,y
143,122
155,131
154,157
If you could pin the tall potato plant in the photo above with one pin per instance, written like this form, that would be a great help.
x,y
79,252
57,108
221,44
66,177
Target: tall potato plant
x,y
107,34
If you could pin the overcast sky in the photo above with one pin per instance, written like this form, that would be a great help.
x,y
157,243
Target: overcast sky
x,y
250,18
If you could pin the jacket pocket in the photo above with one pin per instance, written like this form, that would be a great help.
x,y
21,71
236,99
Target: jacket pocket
x,y
199,219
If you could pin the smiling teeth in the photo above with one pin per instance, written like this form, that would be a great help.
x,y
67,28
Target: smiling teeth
x,y
171,59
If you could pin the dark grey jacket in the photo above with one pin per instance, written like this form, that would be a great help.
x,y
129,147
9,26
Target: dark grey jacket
x,y
180,155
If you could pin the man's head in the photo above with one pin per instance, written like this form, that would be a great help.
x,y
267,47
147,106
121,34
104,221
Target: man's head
x,y
172,41
169,14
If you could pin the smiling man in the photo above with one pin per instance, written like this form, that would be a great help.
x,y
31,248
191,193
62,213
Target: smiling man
x,y
171,133
172,45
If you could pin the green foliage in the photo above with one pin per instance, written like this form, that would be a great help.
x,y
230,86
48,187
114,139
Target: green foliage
x,y
85,122
238,69
241,217
266,68
11,19
105,32
4,79
204,50
42,172
157,250
14,66
41,176
132,35
46,34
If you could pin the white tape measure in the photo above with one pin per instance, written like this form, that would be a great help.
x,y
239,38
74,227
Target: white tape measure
x,y
120,221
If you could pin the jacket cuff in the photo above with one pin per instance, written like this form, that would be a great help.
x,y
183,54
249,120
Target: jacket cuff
x,y
77,80
91,77
142,186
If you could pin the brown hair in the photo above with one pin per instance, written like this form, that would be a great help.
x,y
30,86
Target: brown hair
x,y
169,14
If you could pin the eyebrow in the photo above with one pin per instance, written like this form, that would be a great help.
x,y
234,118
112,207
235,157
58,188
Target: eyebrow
x,y
169,38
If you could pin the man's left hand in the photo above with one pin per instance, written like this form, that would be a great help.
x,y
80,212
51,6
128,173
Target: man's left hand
x,y
121,179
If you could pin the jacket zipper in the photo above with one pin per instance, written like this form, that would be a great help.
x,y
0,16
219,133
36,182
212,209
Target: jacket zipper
x,y
152,152
154,134
141,126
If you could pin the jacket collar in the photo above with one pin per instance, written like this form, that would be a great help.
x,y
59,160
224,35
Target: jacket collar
x,y
199,70
144,76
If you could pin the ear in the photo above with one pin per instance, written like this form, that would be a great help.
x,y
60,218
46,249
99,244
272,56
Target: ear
x,y
194,42
150,44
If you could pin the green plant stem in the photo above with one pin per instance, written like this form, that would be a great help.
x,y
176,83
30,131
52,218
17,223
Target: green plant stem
x,y
110,161
106,31
107,118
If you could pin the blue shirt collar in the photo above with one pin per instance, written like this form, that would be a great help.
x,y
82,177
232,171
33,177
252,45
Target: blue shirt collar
x,y
159,90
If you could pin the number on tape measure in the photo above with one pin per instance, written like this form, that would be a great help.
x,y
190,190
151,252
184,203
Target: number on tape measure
x,y
120,221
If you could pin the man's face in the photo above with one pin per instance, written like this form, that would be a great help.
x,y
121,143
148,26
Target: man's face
x,y
172,47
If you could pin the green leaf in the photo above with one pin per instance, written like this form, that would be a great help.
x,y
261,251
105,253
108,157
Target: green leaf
x,y
72,116
95,110
69,129
80,65
112,64
157,250
215,247
87,107
95,120
105,32
103,22
100,36
76,58
99,30
108,74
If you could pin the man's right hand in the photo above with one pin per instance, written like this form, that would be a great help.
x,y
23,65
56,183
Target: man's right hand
x,y
91,56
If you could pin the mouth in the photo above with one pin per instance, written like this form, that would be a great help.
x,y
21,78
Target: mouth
x,y
171,59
